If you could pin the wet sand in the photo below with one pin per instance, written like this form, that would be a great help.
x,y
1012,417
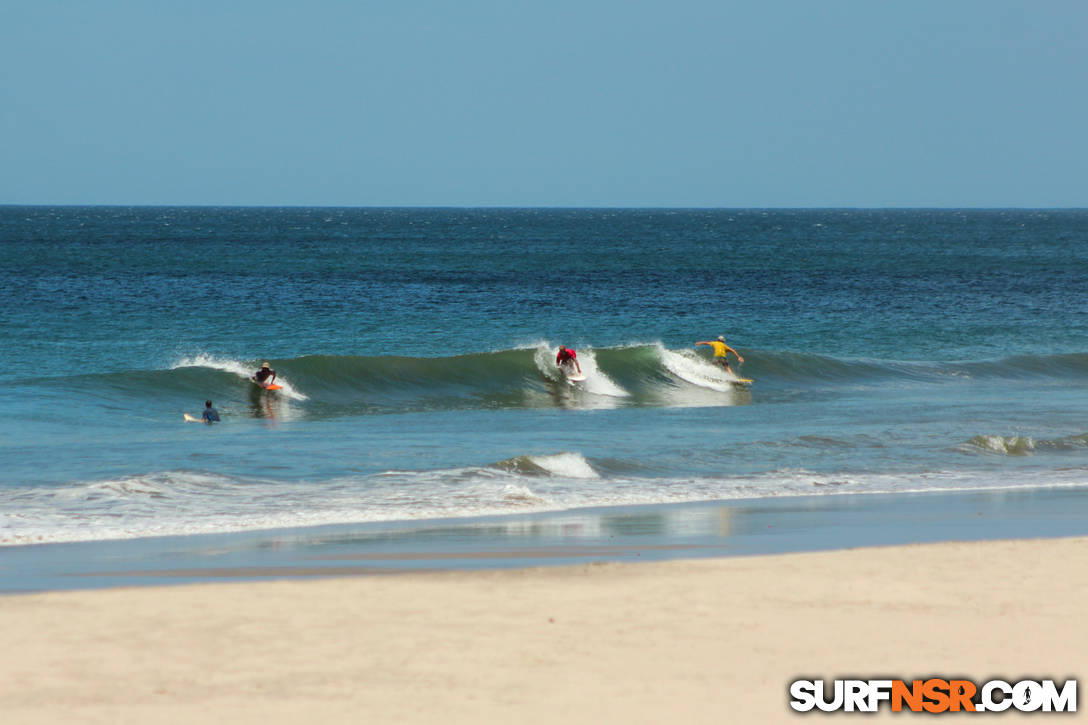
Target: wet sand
x,y
618,534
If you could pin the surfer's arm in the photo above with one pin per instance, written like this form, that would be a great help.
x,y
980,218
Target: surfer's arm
x,y
739,358
577,366
702,343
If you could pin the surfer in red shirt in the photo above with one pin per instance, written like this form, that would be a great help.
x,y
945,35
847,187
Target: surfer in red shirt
x,y
567,356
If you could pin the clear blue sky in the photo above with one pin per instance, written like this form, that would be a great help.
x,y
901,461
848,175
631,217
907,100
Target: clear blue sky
x,y
545,103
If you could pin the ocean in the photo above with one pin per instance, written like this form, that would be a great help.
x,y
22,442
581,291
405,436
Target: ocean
x,y
892,351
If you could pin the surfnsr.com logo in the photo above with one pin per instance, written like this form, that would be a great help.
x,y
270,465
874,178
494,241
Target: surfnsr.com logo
x,y
933,695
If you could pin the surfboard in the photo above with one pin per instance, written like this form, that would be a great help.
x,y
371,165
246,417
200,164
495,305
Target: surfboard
x,y
568,371
273,386
742,381
192,419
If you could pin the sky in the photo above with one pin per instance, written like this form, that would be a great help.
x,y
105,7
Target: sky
x,y
587,103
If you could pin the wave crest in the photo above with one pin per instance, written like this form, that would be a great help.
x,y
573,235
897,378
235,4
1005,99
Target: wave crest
x,y
644,374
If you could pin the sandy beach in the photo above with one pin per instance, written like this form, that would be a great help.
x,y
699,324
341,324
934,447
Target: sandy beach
x,y
711,640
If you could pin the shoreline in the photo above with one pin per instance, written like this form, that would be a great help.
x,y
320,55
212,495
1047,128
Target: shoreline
x,y
693,640
728,528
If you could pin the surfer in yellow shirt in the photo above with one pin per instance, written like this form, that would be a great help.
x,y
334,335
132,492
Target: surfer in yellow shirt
x,y
720,351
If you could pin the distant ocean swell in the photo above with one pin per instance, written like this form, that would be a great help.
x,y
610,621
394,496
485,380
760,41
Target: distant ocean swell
x,y
185,502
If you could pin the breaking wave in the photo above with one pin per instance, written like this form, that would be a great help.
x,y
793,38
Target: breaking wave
x,y
1022,445
188,502
643,374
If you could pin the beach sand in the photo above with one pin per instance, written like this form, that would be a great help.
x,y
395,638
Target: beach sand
x,y
710,640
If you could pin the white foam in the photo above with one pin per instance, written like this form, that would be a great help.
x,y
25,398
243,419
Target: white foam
x,y
519,494
193,502
1010,446
566,464
691,368
596,382
241,369
544,359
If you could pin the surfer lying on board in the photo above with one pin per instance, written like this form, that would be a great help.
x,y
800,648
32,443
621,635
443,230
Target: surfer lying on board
x,y
211,415
720,351
263,375
567,356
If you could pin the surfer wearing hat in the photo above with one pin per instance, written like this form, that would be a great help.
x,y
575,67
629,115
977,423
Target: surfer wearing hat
x,y
720,351
263,375
567,356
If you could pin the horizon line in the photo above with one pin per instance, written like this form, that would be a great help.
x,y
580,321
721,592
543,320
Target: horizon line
x,y
514,207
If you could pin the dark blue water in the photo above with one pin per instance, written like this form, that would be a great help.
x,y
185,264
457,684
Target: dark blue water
x,y
891,351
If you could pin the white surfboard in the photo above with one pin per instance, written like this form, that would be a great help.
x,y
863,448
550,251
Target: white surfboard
x,y
571,374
